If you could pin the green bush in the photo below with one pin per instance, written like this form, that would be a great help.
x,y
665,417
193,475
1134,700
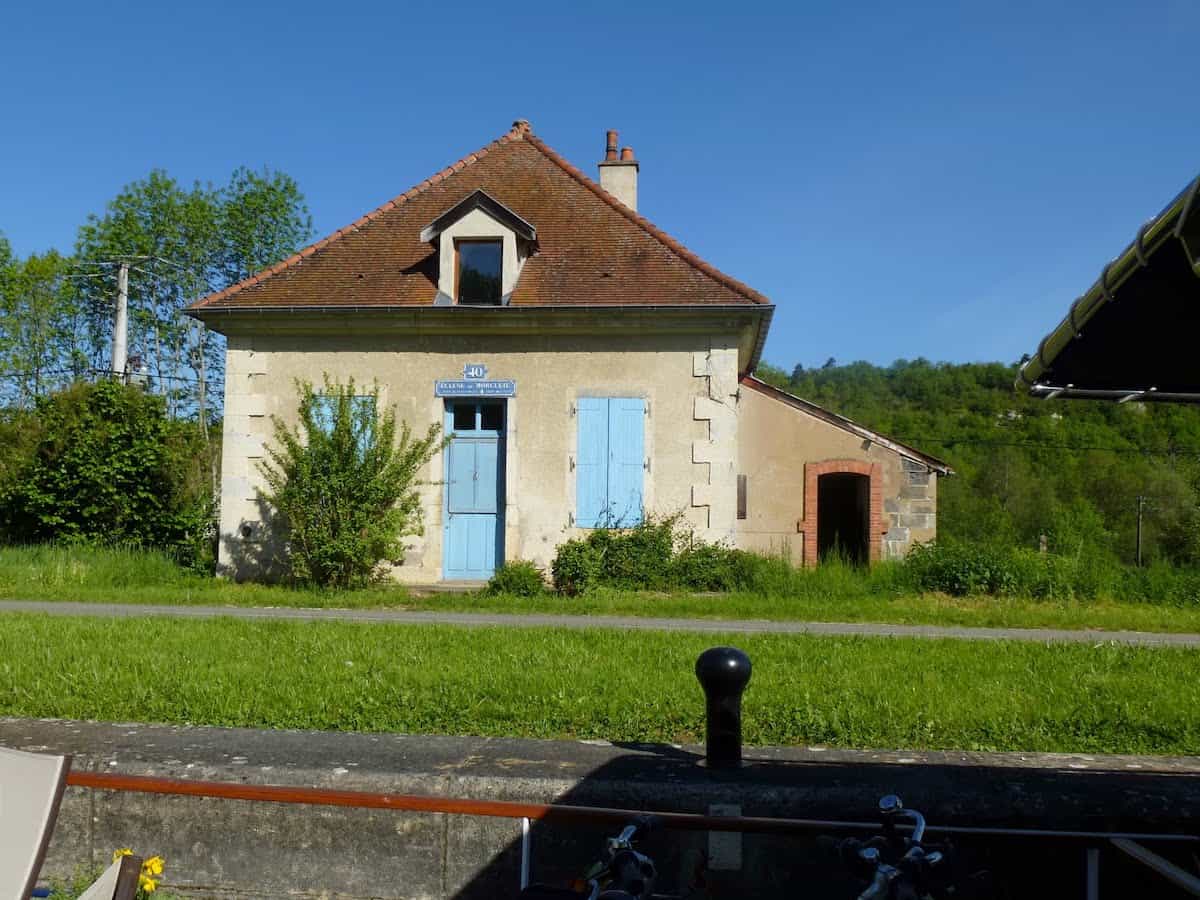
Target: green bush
x,y
102,463
519,578
701,566
961,569
347,492
576,567
1160,582
656,555
637,558
965,569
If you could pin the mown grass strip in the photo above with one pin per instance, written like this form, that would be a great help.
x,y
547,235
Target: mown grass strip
x,y
833,594
927,609
553,683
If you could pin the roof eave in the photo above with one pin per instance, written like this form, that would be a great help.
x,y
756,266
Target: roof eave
x,y
1168,224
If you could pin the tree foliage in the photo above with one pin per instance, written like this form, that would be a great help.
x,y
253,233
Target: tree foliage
x,y
184,242
101,463
180,244
1069,470
43,343
345,485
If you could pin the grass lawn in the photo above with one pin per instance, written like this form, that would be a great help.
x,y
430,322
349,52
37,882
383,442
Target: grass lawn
x,y
559,683
829,594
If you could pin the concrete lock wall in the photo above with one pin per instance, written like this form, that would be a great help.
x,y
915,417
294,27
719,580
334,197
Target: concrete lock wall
x,y
689,382
224,848
781,450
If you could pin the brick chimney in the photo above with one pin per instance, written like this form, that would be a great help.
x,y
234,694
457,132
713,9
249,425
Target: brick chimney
x,y
619,174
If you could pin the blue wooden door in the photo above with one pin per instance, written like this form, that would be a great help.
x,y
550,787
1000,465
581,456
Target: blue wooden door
x,y
473,537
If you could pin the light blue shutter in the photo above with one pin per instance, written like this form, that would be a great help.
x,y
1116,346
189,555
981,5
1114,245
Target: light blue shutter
x,y
591,463
626,458
324,412
364,411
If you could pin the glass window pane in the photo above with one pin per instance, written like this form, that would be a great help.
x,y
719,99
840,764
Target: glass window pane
x,y
479,271
464,416
492,416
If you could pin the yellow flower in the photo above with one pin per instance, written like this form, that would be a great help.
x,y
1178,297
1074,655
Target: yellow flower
x,y
124,851
147,884
153,866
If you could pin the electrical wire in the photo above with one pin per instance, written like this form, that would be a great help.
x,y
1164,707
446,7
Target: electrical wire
x,y
78,373
1033,445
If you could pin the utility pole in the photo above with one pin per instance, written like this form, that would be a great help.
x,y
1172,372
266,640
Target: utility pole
x,y
1141,501
120,340
202,385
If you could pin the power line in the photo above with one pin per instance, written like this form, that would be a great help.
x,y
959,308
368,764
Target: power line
x,y
1032,445
78,373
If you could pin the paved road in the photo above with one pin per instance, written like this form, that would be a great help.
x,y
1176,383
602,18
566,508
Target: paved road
x,y
642,623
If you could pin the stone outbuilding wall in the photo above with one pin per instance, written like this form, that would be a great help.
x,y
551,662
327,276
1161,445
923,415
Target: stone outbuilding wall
x,y
786,444
911,515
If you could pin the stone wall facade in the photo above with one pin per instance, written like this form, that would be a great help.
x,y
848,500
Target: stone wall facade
x,y
911,515
689,383
704,430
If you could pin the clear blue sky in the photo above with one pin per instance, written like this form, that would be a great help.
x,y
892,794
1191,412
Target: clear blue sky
x,y
903,180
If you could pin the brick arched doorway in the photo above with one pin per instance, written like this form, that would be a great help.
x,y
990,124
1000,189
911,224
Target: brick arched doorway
x,y
843,509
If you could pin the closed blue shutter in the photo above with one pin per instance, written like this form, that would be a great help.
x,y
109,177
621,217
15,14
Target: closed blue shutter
x,y
626,458
365,412
324,412
610,462
591,466
325,409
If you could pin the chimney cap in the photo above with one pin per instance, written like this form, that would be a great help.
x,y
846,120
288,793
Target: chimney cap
x,y
610,144
627,154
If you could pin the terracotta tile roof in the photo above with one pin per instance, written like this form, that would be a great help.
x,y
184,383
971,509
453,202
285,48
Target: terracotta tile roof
x,y
592,250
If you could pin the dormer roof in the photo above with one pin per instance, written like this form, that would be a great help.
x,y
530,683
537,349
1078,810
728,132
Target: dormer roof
x,y
482,201
592,249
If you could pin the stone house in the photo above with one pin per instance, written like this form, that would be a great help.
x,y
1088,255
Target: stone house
x,y
590,368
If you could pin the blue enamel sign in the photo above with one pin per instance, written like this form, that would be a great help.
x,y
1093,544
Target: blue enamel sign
x,y
474,383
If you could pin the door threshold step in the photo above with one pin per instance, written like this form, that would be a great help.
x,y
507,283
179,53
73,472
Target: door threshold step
x,y
445,587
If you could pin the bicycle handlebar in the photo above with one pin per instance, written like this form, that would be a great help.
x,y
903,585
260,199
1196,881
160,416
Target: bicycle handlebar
x,y
895,867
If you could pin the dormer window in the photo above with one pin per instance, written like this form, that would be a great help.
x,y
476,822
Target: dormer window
x,y
479,268
481,248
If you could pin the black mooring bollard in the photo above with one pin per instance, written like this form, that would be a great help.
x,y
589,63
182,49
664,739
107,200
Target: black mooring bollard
x,y
723,672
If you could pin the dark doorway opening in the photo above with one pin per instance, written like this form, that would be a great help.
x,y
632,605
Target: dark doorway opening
x,y
843,517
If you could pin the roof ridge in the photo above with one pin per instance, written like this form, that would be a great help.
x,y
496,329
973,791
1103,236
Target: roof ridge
x,y
521,129
645,224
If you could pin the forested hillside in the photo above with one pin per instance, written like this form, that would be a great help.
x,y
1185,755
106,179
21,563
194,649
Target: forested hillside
x,y
1069,470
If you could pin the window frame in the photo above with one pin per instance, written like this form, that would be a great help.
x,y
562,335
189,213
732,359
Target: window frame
x,y
458,242
453,404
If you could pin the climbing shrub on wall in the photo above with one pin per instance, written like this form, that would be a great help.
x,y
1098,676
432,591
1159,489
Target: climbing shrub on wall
x,y
345,483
